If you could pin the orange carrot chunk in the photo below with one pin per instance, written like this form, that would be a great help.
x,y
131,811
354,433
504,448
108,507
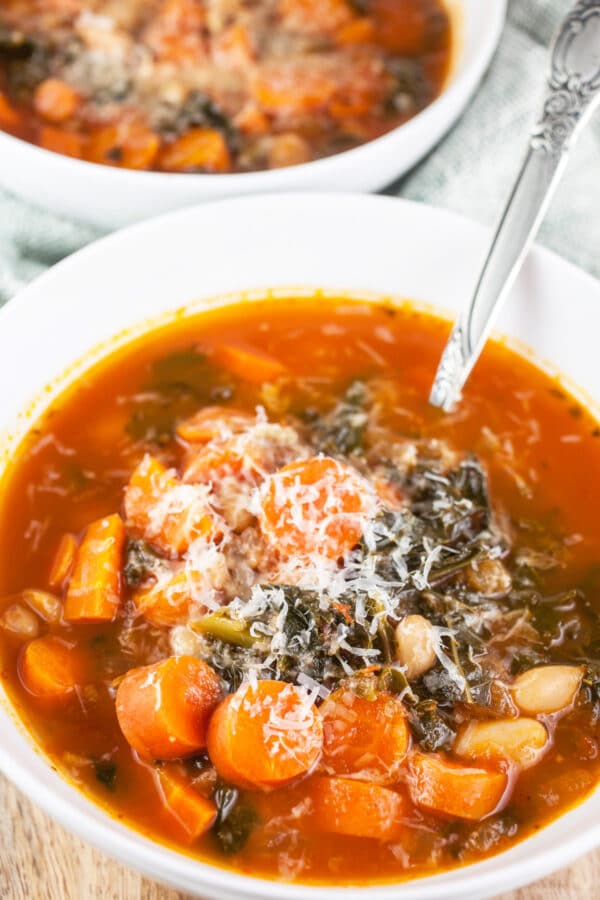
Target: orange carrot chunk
x,y
126,144
315,505
214,422
265,735
167,602
401,28
163,709
50,669
94,592
317,15
248,363
455,790
9,116
63,561
198,149
195,813
357,808
55,100
284,89
58,140
364,738
169,514
176,31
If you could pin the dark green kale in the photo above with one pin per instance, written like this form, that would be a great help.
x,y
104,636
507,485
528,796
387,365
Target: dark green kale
x,y
287,634
14,44
341,431
431,725
197,111
105,771
140,561
235,819
178,385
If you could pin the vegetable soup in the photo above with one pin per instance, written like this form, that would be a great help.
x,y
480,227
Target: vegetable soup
x,y
216,85
267,606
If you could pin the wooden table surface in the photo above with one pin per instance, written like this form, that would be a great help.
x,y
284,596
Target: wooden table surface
x,y
41,861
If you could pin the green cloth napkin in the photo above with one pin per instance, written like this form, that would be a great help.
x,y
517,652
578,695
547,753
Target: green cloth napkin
x,y
471,171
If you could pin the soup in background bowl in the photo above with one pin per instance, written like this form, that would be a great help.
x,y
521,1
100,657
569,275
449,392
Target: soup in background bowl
x,y
190,86
186,101
269,608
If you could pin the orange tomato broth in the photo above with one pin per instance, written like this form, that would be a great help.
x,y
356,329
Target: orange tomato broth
x,y
72,468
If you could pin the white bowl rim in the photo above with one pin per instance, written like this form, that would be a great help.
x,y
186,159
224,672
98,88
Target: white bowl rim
x,y
132,847
273,179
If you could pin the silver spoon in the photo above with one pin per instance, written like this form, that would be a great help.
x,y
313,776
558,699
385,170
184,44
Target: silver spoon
x,y
573,93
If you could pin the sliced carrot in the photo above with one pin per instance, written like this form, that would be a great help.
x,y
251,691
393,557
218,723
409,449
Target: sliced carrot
x,y
195,813
218,461
168,602
55,100
234,46
444,787
169,514
248,363
60,141
315,505
63,561
357,808
163,709
198,149
400,27
234,465
50,669
364,738
165,603
286,89
127,144
9,116
176,32
316,15
251,120
359,31
265,735
214,422
94,592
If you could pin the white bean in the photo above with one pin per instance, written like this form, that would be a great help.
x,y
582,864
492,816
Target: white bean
x,y
415,645
489,577
546,689
184,642
46,605
20,621
521,741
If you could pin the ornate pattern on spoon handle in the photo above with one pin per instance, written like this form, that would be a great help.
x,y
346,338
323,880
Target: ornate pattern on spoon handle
x,y
571,90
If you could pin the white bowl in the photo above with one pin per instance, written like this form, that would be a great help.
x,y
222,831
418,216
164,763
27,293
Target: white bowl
x,y
353,243
111,197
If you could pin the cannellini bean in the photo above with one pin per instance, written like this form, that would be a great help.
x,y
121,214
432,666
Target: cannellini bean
x,y
546,689
521,741
184,642
489,577
415,645
20,621
46,605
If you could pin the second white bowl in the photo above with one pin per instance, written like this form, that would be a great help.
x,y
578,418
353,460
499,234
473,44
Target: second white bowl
x,y
111,197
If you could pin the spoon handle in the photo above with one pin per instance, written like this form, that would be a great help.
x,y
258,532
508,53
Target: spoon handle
x,y
573,92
